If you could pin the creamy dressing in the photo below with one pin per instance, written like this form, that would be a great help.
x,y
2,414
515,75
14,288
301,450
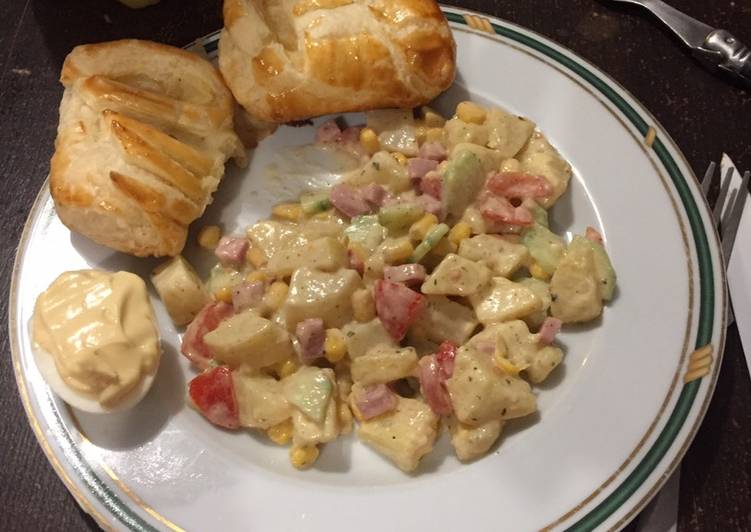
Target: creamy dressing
x,y
99,329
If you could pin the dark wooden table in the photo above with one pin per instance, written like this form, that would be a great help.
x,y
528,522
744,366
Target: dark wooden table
x,y
706,116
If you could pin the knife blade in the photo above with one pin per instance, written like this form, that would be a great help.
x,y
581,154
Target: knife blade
x,y
739,266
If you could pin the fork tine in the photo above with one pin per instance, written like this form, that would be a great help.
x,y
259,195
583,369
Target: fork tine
x,y
730,228
706,183
722,196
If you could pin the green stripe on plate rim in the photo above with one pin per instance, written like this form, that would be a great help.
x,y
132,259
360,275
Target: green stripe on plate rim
x,y
677,418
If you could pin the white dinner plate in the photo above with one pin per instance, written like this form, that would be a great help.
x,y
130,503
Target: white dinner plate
x,y
613,421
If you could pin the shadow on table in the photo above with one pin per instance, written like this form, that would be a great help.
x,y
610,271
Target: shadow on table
x,y
67,24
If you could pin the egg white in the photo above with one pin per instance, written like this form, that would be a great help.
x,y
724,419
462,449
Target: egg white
x,y
85,402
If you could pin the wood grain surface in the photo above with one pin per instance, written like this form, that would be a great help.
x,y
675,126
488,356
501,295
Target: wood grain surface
x,y
704,114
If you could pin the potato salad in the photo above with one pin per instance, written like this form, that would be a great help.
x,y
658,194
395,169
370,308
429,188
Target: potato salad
x,y
423,292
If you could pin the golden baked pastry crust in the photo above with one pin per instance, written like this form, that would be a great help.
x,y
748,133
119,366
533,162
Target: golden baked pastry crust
x,y
145,131
289,60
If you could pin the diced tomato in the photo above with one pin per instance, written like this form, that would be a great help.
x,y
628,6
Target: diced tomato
x,y
445,357
208,319
213,393
519,185
593,235
397,306
500,209
432,385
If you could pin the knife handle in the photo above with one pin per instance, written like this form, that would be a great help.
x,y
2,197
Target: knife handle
x,y
734,57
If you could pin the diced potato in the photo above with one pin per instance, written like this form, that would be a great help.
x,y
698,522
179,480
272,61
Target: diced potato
x,y
480,392
456,276
457,131
504,300
314,294
444,319
323,225
384,170
180,289
507,133
260,400
540,158
523,349
249,339
326,254
473,442
384,365
363,305
361,337
575,287
542,290
270,236
403,436
501,256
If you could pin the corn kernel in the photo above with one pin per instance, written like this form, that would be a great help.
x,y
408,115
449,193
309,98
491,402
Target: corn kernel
x,y
334,348
287,211
275,295
281,434
224,294
459,232
285,368
432,118
420,228
369,141
444,247
398,252
363,306
255,257
506,365
471,113
434,134
303,457
208,236
537,272
256,275
400,158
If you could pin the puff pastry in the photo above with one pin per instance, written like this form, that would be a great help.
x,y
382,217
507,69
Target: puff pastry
x,y
145,131
289,60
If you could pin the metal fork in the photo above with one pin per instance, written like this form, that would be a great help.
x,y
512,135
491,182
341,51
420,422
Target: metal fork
x,y
726,210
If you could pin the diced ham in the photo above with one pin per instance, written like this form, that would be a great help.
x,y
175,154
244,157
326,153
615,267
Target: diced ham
x,y
374,194
430,204
348,200
231,250
518,185
432,385
405,273
208,319
593,235
248,295
550,327
328,132
432,150
417,167
311,335
432,184
397,306
374,400
351,135
500,209
445,357
213,394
